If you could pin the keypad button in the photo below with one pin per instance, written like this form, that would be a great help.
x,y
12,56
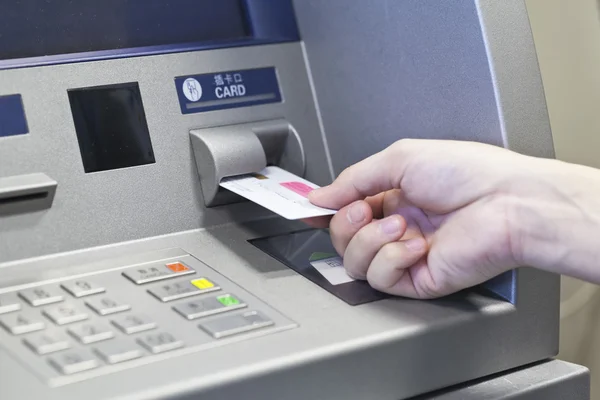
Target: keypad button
x,y
235,324
65,314
159,342
47,342
147,274
133,323
209,306
20,323
74,361
9,303
117,351
106,305
82,288
89,332
179,290
204,284
40,296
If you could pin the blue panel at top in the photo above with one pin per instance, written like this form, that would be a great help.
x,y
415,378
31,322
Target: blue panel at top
x,y
131,28
227,89
12,116
270,19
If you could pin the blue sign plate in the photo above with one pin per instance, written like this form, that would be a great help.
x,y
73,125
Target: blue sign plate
x,y
229,89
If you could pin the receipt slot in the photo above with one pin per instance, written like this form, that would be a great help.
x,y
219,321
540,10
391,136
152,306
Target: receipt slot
x,y
126,272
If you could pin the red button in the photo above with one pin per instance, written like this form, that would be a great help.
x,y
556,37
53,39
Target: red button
x,y
177,267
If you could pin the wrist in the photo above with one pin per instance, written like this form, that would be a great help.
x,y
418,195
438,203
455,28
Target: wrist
x,y
555,219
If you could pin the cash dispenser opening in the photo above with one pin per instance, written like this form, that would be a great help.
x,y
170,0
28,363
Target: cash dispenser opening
x,y
131,268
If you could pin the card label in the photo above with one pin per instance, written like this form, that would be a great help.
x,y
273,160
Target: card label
x,y
279,191
227,89
331,267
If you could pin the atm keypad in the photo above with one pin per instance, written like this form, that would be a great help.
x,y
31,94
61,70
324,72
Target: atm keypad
x,y
143,275
133,323
91,332
118,351
81,288
64,314
235,324
170,291
123,314
21,323
40,296
159,342
47,342
9,303
106,305
73,361
209,306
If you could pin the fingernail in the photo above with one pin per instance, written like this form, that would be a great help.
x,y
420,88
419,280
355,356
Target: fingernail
x,y
390,226
415,244
356,214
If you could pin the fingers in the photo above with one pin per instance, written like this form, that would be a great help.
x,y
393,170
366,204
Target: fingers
x,y
318,222
378,173
368,241
389,271
347,222
375,202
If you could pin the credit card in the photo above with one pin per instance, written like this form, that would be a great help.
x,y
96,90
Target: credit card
x,y
279,191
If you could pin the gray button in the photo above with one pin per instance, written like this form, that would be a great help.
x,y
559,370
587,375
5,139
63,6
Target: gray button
x,y
117,351
73,361
146,274
65,314
81,288
91,332
133,323
47,342
235,324
9,303
179,290
106,305
20,323
209,306
40,296
159,342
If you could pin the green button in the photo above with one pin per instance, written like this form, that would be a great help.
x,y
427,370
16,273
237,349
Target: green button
x,y
228,300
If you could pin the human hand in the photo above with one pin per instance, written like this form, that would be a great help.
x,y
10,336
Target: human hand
x,y
426,218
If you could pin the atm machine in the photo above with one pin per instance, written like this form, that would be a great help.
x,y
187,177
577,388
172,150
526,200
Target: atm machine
x,y
127,272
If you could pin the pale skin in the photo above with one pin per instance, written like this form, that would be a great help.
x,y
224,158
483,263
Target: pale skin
x,y
426,218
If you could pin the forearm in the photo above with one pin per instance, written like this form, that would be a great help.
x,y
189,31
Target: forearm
x,y
557,217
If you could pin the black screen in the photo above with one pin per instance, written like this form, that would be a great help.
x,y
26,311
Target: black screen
x,y
111,127
295,250
33,28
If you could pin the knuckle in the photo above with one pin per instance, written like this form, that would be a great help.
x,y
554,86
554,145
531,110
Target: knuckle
x,y
346,173
378,284
390,253
353,267
401,145
431,289
367,237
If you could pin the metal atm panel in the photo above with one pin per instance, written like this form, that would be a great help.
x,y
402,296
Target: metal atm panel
x,y
162,294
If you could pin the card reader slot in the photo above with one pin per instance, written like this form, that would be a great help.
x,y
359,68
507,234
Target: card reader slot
x,y
26,193
234,150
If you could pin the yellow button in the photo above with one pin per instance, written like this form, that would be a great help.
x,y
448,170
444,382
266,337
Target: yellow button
x,y
202,283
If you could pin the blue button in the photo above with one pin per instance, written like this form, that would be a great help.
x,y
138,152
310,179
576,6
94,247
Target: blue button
x,y
12,116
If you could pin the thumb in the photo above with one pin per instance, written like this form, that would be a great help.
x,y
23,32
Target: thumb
x,y
378,173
